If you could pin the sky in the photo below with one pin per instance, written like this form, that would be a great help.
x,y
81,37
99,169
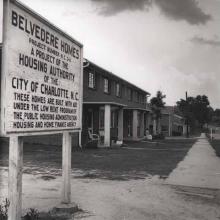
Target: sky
x,y
167,45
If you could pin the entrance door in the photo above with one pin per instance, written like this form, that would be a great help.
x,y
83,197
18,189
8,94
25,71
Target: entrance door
x,y
130,118
90,120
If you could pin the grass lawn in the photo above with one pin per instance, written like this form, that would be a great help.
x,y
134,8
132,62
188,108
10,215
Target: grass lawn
x,y
216,145
133,161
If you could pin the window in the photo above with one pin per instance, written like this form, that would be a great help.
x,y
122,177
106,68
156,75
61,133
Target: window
x,y
118,90
142,99
136,96
123,91
129,94
91,80
106,85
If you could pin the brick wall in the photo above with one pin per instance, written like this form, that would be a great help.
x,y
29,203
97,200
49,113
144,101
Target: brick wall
x,y
97,94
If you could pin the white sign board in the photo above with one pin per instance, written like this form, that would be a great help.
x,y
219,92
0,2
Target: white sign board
x,y
41,79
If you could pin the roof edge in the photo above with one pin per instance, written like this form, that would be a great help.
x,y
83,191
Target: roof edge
x,y
118,77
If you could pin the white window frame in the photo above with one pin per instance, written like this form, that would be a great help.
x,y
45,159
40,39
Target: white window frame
x,y
118,90
106,85
91,80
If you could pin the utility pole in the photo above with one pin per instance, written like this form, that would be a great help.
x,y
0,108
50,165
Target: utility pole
x,y
187,117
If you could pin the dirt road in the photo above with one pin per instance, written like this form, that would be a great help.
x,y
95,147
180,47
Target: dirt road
x,y
117,184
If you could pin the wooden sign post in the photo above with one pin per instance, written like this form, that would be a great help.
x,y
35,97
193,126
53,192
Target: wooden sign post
x,y
15,177
66,168
41,90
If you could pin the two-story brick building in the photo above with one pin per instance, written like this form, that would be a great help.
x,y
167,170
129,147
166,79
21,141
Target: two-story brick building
x,y
117,110
113,108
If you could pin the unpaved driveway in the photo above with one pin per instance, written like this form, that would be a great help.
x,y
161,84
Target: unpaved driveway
x,y
115,184
147,199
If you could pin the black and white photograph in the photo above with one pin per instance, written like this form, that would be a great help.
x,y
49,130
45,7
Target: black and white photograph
x,y
110,110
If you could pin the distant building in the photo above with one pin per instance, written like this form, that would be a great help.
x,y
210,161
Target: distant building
x,y
172,122
214,131
113,108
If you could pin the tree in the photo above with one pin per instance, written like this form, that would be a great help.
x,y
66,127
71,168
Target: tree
x,y
196,110
185,106
202,110
157,104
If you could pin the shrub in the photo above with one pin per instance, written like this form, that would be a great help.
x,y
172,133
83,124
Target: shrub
x,y
4,209
32,214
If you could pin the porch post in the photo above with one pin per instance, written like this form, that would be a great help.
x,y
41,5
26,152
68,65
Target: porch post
x,y
80,139
170,127
184,129
135,124
120,124
159,125
107,138
154,126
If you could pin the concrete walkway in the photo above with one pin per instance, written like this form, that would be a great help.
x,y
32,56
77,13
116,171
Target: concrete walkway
x,y
200,168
